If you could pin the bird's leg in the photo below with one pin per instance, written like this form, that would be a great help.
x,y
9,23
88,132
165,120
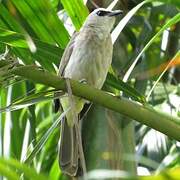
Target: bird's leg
x,y
77,127
84,81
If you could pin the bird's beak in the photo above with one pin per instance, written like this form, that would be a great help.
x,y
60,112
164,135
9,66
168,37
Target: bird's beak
x,y
115,13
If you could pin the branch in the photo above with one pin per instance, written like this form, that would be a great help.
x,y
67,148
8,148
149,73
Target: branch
x,y
144,114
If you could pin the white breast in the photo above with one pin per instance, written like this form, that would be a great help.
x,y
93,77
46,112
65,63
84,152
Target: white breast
x,y
90,59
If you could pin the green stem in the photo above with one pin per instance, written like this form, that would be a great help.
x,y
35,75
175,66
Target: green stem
x,y
145,114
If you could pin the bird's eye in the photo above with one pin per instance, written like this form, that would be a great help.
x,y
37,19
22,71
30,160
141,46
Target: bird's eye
x,y
102,13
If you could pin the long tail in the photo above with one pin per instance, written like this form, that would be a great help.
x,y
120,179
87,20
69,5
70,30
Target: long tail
x,y
68,151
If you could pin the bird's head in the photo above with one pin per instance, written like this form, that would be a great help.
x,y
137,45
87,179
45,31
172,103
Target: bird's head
x,y
102,18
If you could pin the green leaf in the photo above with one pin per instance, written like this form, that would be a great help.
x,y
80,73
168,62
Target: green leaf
x,y
9,20
171,22
28,172
77,11
45,137
177,55
124,21
12,39
43,20
5,172
175,2
45,53
55,171
29,100
120,85
44,49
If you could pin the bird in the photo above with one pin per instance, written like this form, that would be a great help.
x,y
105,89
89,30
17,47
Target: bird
x,y
86,58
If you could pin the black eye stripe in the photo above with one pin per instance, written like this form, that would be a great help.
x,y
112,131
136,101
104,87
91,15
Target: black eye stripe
x,y
102,13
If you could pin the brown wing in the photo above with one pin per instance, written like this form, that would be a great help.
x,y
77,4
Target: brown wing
x,y
67,54
64,61
68,148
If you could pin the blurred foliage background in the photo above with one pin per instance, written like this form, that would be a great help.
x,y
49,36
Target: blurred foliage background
x,y
37,32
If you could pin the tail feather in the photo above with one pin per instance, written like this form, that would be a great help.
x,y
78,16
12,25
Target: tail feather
x,y
68,151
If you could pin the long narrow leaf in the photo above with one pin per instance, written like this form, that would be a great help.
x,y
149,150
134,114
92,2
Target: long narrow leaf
x,y
43,140
120,85
76,10
177,56
5,172
124,21
44,23
30,100
48,52
24,169
172,21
